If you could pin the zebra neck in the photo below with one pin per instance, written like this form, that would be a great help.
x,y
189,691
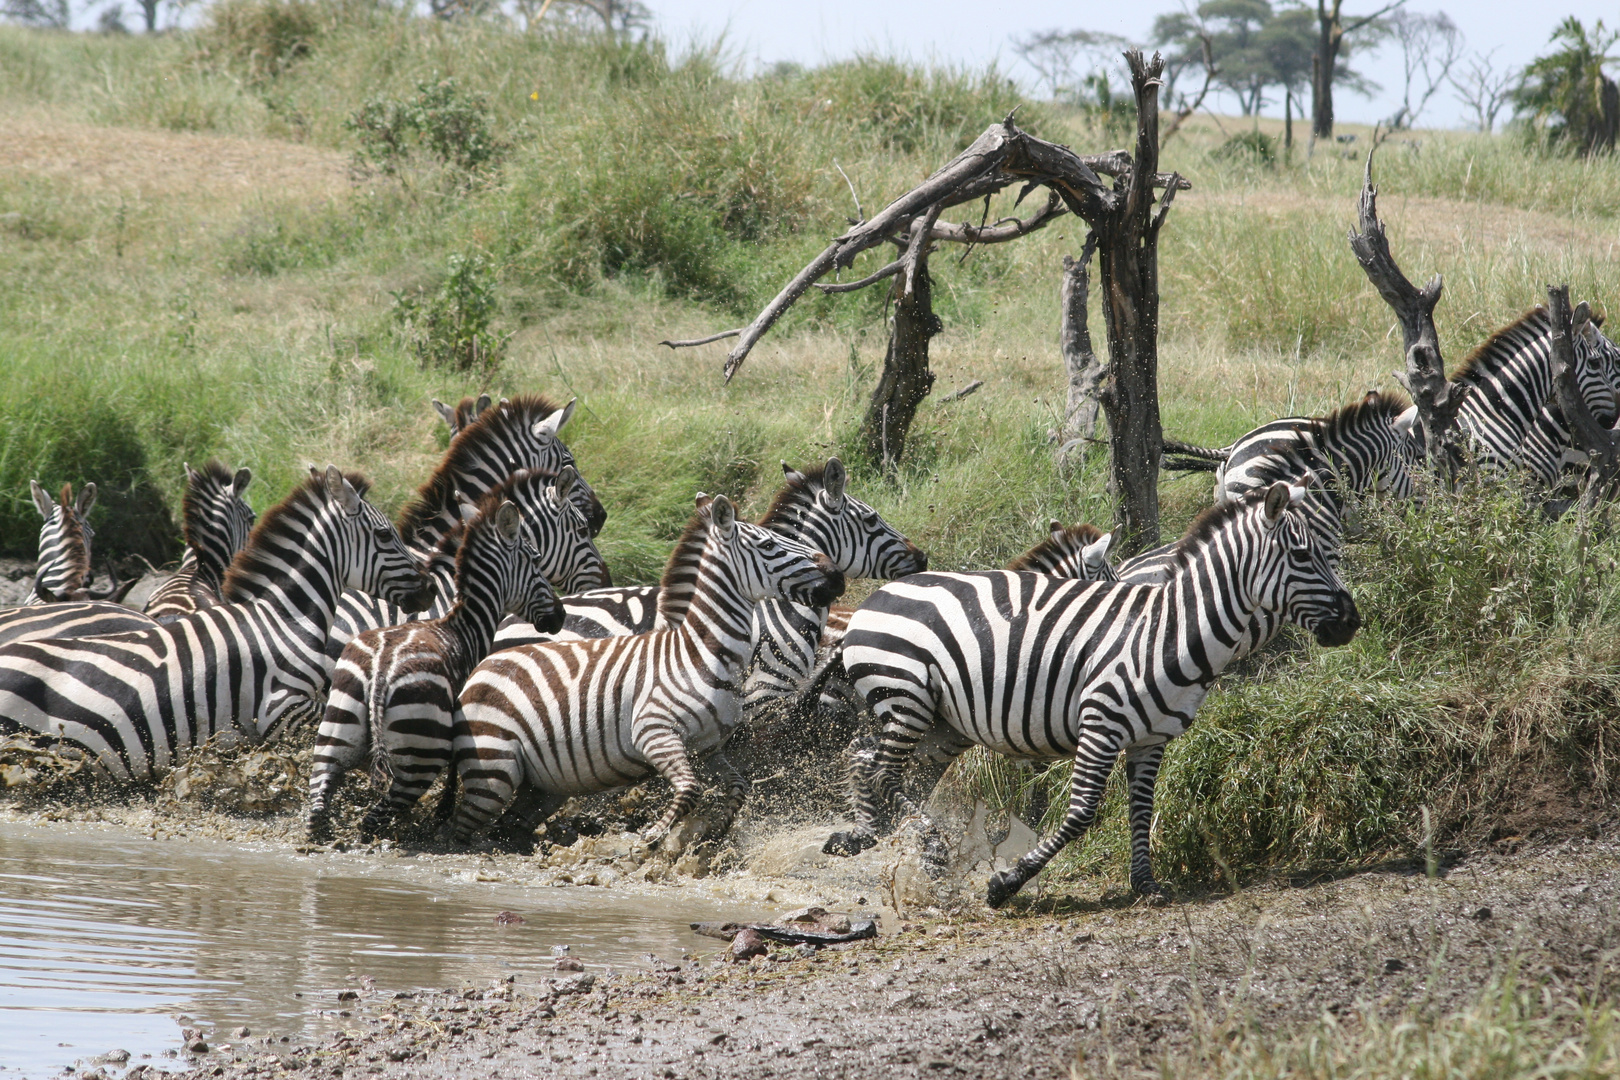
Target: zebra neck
x,y
720,622
1203,612
469,630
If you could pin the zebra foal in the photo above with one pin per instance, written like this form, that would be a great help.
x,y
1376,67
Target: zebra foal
x,y
1040,668
63,570
395,688
566,718
217,523
131,703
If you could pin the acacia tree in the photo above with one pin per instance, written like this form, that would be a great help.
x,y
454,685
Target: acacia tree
x,y
1332,28
1125,225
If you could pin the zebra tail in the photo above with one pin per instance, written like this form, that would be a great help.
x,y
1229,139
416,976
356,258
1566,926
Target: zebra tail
x,y
382,759
1185,457
809,700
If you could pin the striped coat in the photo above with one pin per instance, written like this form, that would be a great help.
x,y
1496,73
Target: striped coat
x,y
133,703
571,717
1040,668
217,523
395,689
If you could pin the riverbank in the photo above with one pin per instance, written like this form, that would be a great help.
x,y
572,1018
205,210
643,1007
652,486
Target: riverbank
x,y
1109,987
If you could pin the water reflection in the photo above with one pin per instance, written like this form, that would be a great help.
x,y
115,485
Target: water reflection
x,y
105,939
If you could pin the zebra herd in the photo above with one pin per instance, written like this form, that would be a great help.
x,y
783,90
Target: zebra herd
x,y
481,640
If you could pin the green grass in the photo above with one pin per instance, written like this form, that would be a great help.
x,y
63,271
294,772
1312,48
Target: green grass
x,y
154,316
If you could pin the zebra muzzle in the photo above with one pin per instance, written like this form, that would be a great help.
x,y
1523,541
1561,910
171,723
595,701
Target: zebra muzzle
x,y
1339,629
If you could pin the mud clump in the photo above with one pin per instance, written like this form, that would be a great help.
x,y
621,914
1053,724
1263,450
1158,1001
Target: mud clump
x,y
257,781
29,765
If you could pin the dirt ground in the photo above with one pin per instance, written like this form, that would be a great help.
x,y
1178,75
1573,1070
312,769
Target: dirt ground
x,y
956,989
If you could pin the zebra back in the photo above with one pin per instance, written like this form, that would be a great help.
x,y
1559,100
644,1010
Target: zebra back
x,y
578,716
131,703
217,524
518,434
63,570
70,619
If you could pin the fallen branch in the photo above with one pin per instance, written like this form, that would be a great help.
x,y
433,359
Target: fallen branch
x,y
721,336
958,395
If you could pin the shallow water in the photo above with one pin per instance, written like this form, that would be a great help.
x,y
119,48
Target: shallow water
x,y
109,940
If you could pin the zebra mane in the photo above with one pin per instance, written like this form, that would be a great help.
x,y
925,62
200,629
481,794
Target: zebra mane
x,y
789,500
1054,548
679,583
207,481
1502,346
75,549
254,567
491,425
1210,522
1370,411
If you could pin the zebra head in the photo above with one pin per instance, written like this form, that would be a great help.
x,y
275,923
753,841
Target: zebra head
x,y
1079,552
815,509
554,525
517,576
1597,363
218,520
1370,444
765,565
372,558
1296,572
64,540
462,414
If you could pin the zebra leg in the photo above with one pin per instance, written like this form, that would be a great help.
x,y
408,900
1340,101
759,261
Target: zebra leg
x,y
489,765
874,787
1093,761
341,744
662,747
1141,770
736,793
515,830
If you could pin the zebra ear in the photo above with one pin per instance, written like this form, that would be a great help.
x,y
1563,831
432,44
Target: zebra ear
x,y
1057,530
1581,320
564,484
723,515
507,522
480,405
340,491
42,500
792,475
833,479
1403,423
469,512
1279,497
1095,554
244,477
446,413
553,423
87,499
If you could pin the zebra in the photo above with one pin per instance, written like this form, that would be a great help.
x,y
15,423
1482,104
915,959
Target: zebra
x,y
464,413
1510,419
63,571
1040,668
552,523
217,524
571,717
130,704
395,689
813,507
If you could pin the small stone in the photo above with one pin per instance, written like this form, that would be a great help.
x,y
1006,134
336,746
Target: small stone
x,y
196,1046
111,1057
509,918
1392,965
241,1033
94,1074
1085,939
399,1054
559,950
348,995
1482,914
568,963
748,943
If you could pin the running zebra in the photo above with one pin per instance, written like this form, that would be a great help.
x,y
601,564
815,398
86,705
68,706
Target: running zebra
x,y
462,414
1510,418
217,523
395,689
1040,668
63,571
132,703
812,507
573,717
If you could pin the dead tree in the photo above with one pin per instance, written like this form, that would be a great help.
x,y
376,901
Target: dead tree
x,y
1123,220
1437,400
1085,371
1586,433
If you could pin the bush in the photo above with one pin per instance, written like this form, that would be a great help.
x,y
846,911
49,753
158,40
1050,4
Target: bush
x,y
450,124
1250,147
450,327
261,38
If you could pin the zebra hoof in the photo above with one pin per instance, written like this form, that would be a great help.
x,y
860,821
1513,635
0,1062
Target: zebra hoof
x,y
848,843
1003,887
1151,891
318,831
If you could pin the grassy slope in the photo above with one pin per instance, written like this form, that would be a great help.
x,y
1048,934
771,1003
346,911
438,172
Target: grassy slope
x,y
190,271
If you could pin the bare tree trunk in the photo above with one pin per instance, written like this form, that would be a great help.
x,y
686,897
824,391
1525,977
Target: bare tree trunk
x,y
1288,118
1128,262
1085,370
906,379
1329,33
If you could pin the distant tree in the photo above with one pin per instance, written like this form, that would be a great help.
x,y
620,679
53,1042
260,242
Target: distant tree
x,y
1333,29
50,13
1252,47
1566,97
622,18
111,20
1430,47
1482,88
1067,60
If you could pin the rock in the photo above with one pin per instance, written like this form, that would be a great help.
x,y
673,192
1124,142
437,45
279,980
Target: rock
x,y
1482,914
348,995
748,943
111,1057
1392,965
241,1033
559,950
94,1074
509,918
196,1046
567,963
574,984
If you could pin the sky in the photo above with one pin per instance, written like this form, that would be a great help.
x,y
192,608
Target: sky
x,y
974,33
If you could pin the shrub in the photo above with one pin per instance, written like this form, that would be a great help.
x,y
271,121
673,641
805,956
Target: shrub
x,y
1251,147
449,123
450,327
262,38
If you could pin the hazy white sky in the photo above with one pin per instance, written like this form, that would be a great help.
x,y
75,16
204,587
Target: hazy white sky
x,y
959,31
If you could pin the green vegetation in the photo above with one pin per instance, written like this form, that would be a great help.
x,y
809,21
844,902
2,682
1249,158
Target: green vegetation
x,y
1565,98
208,278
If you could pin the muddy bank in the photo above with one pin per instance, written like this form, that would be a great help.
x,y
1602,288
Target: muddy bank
x,y
1007,994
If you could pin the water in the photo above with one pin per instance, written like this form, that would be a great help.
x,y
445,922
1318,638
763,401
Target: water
x,y
109,940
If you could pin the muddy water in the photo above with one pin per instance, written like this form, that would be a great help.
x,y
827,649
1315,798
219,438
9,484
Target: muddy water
x,y
109,940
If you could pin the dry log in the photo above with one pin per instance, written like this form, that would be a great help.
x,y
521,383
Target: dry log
x,y
1080,362
1437,400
